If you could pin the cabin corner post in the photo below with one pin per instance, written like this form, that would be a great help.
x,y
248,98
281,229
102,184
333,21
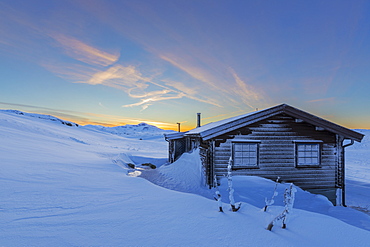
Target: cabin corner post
x,y
203,153
211,169
171,151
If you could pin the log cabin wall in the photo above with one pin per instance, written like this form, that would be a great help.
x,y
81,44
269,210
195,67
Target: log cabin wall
x,y
276,136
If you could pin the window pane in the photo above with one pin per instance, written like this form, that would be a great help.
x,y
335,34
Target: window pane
x,y
301,154
238,147
253,161
308,154
238,161
252,154
245,154
301,147
238,154
315,161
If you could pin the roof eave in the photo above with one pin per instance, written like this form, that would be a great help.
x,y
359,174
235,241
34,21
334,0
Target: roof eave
x,y
283,108
236,124
174,136
320,122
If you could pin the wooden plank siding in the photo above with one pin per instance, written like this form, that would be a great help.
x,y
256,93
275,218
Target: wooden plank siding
x,y
277,154
277,130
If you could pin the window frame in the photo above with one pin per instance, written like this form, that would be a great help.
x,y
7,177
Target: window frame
x,y
297,157
243,141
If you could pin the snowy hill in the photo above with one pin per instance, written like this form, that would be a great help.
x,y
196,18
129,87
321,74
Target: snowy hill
x,y
39,116
142,130
70,186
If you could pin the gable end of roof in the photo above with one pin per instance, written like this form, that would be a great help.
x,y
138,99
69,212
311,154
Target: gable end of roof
x,y
245,120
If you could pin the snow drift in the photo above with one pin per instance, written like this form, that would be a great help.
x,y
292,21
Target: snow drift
x,y
61,186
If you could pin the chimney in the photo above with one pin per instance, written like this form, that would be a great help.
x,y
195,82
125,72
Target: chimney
x,y
198,120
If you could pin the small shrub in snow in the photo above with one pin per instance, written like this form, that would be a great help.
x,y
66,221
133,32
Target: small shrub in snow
x,y
218,195
150,165
131,165
230,187
289,196
271,201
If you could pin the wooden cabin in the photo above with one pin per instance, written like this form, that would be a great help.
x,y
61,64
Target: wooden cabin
x,y
281,141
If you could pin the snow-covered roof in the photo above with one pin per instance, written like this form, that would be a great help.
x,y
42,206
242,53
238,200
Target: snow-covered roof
x,y
218,128
173,136
216,124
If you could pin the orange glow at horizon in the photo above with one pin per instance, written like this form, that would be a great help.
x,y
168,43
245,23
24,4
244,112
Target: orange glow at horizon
x,y
161,125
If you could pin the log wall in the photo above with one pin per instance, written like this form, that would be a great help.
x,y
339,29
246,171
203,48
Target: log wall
x,y
277,154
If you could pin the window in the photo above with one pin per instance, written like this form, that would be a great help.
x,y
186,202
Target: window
x,y
245,155
308,154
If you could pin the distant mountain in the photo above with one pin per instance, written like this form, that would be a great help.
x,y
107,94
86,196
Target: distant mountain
x,y
40,116
141,130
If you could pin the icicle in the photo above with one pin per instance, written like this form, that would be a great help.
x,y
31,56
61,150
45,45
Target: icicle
x,y
230,184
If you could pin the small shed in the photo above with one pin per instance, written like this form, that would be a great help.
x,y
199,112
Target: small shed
x,y
281,141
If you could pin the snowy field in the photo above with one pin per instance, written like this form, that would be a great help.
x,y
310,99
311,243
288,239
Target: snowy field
x,y
68,185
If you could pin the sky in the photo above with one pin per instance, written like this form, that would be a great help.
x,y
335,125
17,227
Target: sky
x,y
161,62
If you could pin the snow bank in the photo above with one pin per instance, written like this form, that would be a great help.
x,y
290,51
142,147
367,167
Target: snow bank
x,y
185,175
60,187
254,190
358,173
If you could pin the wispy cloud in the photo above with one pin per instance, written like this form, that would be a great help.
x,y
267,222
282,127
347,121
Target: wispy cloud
x,y
235,91
71,72
331,99
84,52
149,94
249,95
193,71
180,86
147,101
209,84
130,80
205,75
118,75
125,78
194,93
202,77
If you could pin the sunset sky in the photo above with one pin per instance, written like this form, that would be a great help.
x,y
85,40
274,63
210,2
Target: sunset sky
x,y
162,61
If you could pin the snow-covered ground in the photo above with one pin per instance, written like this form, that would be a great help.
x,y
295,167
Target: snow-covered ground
x,y
358,173
68,185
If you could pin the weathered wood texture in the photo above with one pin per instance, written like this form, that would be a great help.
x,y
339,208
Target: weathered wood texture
x,y
277,153
176,147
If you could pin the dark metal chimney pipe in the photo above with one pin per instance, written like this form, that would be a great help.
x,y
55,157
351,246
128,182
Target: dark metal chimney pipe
x,y
198,120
